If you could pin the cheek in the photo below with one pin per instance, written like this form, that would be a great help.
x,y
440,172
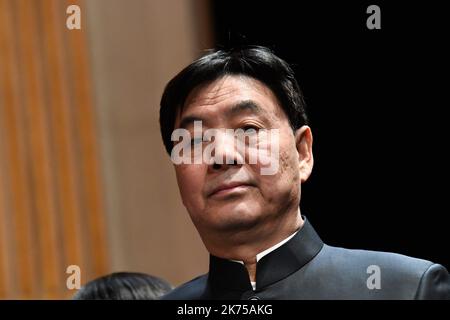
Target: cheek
x,y
190,180
289,166
285,183
287,174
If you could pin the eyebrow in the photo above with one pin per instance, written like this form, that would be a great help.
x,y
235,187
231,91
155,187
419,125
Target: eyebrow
x,y
240,107
189,120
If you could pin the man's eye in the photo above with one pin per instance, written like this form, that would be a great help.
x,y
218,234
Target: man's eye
x,y
250,127
196,141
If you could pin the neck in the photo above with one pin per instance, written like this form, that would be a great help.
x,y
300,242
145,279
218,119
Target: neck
x,y
244,246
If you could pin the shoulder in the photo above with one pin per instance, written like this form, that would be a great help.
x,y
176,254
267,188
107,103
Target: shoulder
x,y
400,276
392,262
434,283
195,289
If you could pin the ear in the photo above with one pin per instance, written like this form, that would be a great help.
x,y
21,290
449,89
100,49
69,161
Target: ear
x,y
303,142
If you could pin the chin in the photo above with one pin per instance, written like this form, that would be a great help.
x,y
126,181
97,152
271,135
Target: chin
x,y
233,218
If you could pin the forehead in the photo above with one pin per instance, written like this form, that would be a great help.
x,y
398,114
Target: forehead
x,y
216,97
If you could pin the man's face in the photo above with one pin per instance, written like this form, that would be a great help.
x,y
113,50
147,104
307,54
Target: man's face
x,y
237,197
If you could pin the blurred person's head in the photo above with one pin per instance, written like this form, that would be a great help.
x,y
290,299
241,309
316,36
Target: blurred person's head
x,y
231,203
124,286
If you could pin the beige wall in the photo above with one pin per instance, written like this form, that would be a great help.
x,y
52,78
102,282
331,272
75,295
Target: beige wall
x,y
135,47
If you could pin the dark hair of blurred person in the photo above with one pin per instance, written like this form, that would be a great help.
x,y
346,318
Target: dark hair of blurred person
x,y
124,286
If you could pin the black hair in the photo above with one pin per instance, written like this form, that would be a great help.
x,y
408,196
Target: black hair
x,y
254,61
124,286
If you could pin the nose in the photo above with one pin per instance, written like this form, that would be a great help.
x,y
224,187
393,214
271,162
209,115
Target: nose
x,y
225,152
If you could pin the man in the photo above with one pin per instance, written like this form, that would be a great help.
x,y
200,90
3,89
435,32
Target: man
x,y
260,245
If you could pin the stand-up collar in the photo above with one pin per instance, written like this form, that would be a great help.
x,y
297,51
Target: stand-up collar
x,y
273,267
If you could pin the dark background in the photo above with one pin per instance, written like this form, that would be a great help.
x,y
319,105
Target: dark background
x,y
377,101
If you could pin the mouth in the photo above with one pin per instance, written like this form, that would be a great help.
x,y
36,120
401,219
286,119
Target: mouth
x,y
231,188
